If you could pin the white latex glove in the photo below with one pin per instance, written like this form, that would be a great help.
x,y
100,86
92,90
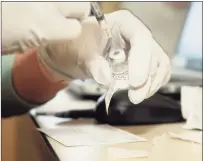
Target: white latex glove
x,y
80,51
149,66
52,27
26,24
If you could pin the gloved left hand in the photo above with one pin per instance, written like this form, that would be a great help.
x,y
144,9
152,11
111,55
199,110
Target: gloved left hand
x,y
148,65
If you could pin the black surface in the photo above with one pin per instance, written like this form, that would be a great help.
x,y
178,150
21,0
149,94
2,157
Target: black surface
x,y
155,110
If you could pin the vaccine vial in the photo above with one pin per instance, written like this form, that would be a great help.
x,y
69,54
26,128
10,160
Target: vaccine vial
x,y
119,66
118,62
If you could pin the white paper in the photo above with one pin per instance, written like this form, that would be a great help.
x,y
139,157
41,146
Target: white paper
x,y
86,135
195,137
65,101
121,153
191,107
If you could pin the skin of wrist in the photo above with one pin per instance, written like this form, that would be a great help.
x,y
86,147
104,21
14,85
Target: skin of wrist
x,y
29,80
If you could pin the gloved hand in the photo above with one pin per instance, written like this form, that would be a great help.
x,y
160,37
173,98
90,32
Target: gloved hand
x,y
148,65
51,27
78,48
27,24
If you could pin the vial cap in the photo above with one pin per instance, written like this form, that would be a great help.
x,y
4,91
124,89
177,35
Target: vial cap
x,y
117,56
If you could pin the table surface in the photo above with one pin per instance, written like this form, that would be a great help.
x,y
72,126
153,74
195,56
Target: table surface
x,y
163,149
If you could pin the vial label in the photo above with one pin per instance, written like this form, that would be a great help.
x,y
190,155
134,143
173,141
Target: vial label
x,y
120,82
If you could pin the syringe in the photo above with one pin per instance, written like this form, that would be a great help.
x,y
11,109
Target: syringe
x,y
103,24
117,58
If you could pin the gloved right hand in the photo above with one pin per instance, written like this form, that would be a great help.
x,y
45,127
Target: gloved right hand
x,y
52,28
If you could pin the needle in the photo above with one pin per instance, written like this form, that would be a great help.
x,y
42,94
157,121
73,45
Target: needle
x,y
103,24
